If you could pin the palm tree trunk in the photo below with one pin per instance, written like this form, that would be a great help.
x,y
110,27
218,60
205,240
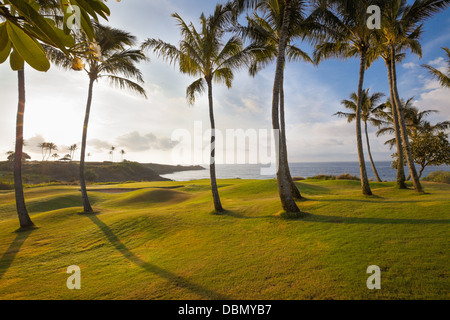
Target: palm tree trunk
x,y
86,204
212,164
370,154
287,201
403,131
362,164
24,218
294,190
398,140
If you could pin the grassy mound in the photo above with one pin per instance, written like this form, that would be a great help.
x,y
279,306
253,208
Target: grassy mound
x,y
161,242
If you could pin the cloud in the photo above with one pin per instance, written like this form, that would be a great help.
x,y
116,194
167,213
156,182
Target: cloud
x,y
438,62
409,65
135,142
32,144
99,145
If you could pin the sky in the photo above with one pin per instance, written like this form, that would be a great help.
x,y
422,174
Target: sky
x,y
144,128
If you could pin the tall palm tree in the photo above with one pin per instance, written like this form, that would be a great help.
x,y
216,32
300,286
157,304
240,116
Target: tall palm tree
x,y
442,77
393,117
401,29
265,30
283,181
50,148
72,150
369,111
113,57
414,119
44,149
348,36
204,54
122,153
24,217
111,152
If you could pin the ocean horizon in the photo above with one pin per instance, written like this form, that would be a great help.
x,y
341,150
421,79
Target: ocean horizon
x,y
298,169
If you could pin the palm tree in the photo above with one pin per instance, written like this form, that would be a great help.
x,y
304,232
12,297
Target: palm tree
x,y
55,156
111,152
116,63
443,78
44,149
24,217
414,119
369,111
50,148
72,150
203,54
348,36
401,29
283,181
265,31
122,152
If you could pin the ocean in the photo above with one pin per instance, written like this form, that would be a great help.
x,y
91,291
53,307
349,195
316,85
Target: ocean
x,y
304,169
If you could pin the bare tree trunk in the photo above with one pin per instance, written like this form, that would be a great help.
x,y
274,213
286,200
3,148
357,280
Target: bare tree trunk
x,y
362,164
398,140
24,218
403,131
212,165
421,170
287,201
294,190
370,154
86,204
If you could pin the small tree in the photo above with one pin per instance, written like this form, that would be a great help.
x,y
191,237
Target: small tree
x,y
430,149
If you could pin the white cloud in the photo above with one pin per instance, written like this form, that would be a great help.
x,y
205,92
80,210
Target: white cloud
x,y
409,65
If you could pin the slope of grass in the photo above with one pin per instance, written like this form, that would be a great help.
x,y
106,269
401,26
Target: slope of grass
x,y
160,241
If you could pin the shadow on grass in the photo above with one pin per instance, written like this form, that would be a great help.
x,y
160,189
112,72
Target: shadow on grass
x,y
354,220
373,199
175,279
8,257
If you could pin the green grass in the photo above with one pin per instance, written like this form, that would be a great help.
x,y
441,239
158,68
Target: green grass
x,y
160,241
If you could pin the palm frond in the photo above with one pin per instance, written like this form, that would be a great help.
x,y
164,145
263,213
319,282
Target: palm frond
x,y
123,83
197,87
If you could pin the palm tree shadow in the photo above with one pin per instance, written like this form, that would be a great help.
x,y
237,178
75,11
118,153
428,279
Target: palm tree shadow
x,y
363,220
10,254
175,279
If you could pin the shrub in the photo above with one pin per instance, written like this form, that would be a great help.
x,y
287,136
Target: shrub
x,y
90,175
438,176
323,177
347,176
298,178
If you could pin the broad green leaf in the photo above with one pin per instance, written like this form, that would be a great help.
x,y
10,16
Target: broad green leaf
x,y
28,48
5,52
85,5
16,61
27,11
4,40
86,24
101,8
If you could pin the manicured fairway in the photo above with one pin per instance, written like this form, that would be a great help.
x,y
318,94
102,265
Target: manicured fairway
x,y
161,240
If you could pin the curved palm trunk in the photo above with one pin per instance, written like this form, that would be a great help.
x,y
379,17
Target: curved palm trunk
x,y
212,165
362,164
287,201
398,140
24,218
294,190
403,131
377,176
86,204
